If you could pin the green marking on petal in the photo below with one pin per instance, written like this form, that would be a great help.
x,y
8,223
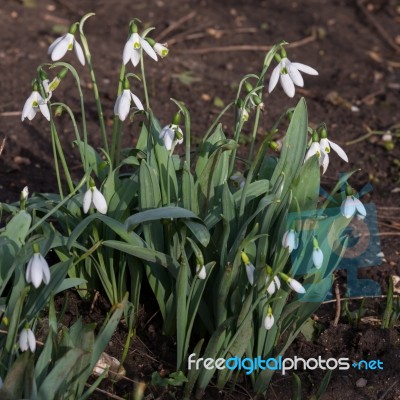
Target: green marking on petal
x,y
136,45
71,46
284,71
35,104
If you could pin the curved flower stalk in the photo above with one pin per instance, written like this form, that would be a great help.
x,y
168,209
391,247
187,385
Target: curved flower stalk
x,y
290,240
27,340
249,268
124,100
60,46
35,103
326,145
293,284
351,205
93,197
317,255
133,46
273,282
37,269
172,134
288,73
269,320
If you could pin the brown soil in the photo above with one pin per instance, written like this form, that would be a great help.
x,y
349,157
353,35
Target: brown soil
x,y
355,45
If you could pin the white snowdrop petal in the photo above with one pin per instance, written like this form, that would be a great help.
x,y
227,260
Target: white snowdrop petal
x,y
295,75
348,207
79,52
124,104
305,68
28,106
87,201
201,272
296,286
277,282
250,273
318,258
44,109
360,207
167,135
116,105
148,49
339,151
29,271
23,340
135,57
32,113
54,44
61,48
31,340
270,287
128,49
46,270
269,322
36,270
325,162
137,102
99,201
274,78
287,85
324,144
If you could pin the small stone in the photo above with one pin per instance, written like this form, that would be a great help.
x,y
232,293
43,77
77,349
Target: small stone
x,y
361,383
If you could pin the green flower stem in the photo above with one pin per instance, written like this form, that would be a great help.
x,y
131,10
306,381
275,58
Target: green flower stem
x,y
74,124
95,92
253,138
117,126
238,129
53,145
146,95
60,152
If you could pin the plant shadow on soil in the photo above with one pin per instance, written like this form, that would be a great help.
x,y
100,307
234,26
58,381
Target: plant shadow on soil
x,y
355,47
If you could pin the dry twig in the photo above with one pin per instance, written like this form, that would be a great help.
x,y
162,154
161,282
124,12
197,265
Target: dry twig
x,y
175,25
338,304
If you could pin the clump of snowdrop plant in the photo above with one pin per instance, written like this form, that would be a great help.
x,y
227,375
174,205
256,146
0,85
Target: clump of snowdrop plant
x,y
227,255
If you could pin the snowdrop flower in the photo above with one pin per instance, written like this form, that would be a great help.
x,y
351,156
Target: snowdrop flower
x,y
351,205
201,271
37,269
315,149
290,240
326,145
273,283
289,74
161,49
132,49
123,103
27,340
269,319
93,197
33,104
317,255
172,134
238,179
60,46
249,268
293,284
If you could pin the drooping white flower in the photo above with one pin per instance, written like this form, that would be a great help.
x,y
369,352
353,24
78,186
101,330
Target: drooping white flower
x,y
123,104
133,46
33,104
289,75
269,320
317,254
290,240
273,282
293,284
201,271
93,197
314,149
161,49
37,269
326,145
249,268
27,340
238,179
25,193
60,46
171,135
351,205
